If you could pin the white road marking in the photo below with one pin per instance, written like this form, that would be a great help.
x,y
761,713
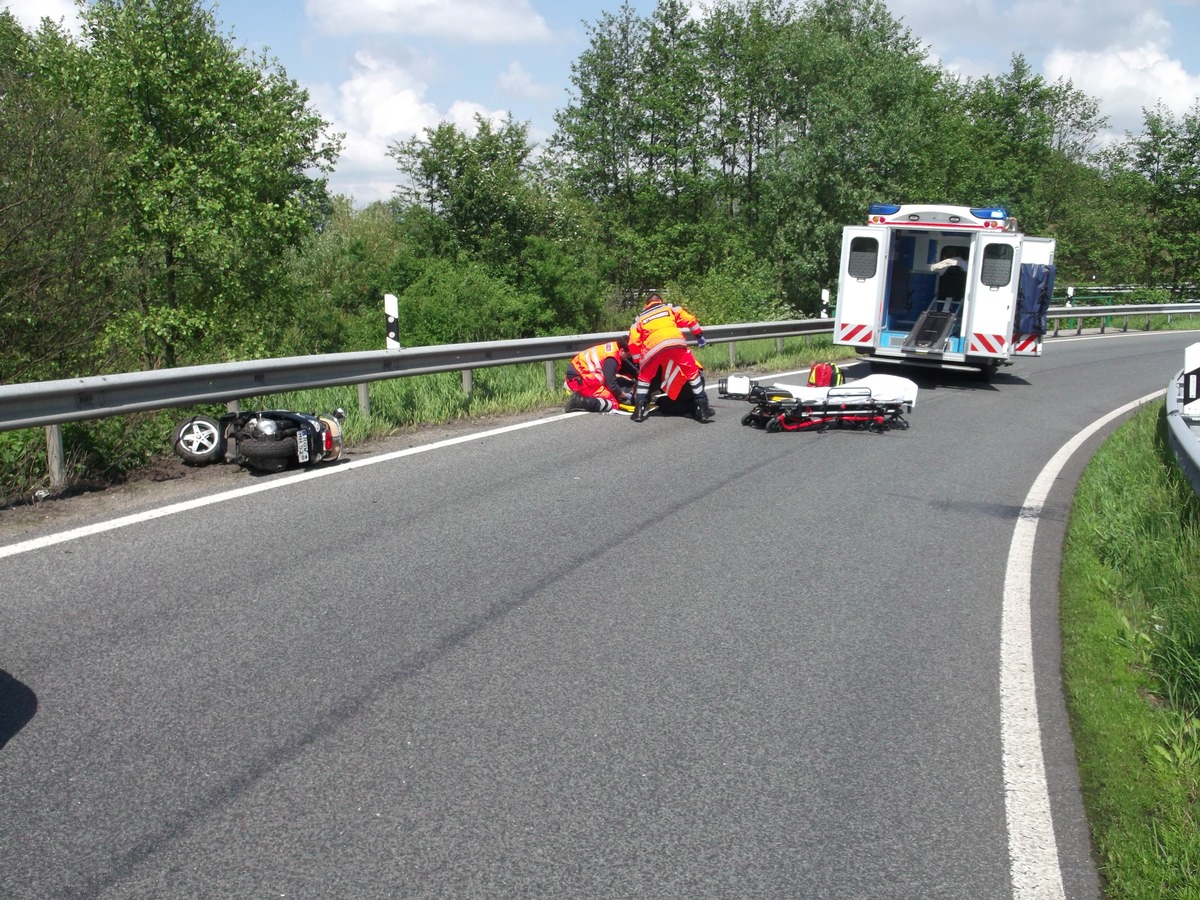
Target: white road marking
x,y
175,508
1032,849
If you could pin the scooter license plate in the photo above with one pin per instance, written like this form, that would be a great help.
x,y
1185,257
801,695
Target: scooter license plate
x,y
302,447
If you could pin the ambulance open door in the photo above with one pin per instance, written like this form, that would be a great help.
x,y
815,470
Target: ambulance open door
x,y
992,294
861,282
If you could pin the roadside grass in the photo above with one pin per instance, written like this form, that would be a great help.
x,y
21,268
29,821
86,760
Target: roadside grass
x,y
1130,608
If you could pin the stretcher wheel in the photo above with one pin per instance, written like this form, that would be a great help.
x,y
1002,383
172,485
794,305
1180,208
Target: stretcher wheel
x,y
748,419
774,424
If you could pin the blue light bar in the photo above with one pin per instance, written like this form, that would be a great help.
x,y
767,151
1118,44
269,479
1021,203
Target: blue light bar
x,y
882,209
997,213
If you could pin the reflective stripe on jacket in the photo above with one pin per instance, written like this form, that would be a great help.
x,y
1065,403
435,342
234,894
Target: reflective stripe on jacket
x,y
660,326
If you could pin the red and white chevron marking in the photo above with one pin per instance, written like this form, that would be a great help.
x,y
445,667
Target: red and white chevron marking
x,y
987,343
849,333
1027,343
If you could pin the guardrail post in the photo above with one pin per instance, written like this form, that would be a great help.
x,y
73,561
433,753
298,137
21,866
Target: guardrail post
x,y
55,459
364,399
732,354
551,381
467,377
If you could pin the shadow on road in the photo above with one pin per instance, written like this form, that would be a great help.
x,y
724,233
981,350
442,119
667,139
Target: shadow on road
x,y
18,704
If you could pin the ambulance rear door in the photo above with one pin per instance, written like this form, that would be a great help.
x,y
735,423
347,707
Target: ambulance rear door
x,y
992,295
1033,296
861,283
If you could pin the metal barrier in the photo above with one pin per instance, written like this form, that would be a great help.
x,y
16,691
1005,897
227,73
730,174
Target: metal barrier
x,y
52,403
1184,441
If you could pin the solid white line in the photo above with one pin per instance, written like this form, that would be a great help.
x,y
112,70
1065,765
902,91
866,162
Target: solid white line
x,y
100,527
1032,849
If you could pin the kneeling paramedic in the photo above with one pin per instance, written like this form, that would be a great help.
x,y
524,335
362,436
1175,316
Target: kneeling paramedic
x,y
592,377
656,339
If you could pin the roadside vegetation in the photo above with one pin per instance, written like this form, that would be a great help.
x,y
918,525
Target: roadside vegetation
x,y
1131,658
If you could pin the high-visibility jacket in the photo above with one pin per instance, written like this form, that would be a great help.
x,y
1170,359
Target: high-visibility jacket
x,y
601,363
658,326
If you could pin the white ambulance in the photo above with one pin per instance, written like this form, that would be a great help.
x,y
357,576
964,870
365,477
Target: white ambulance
x,y
935,285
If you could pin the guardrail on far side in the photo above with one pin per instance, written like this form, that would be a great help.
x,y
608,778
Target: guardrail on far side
x,y
1183,416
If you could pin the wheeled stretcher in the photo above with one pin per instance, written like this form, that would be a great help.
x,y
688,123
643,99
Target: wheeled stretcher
x,y
874,403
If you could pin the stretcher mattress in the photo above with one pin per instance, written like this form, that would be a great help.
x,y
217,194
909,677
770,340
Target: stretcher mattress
x,y
879,389
883,389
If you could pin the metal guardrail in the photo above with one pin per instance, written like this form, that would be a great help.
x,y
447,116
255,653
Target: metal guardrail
x,y
1184,441
76,399
53,403
1058,313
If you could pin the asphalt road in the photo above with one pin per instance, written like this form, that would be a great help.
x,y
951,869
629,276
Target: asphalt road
x,y
584,658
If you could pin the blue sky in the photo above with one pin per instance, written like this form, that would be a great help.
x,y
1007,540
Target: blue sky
x,y
382,70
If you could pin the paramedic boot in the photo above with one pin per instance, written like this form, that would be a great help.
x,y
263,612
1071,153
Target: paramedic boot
x,y
703,411
639,409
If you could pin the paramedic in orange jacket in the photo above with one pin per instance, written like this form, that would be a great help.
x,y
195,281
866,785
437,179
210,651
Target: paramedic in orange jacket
x,y
592,377
657,341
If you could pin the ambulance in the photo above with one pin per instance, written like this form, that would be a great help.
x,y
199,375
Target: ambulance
x,y
943,286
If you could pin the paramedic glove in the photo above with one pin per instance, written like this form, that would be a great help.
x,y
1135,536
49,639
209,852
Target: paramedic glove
x,y
700,341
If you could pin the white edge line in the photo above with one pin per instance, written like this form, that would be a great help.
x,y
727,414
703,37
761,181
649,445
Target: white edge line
x,y
174,508
1033,851
100,527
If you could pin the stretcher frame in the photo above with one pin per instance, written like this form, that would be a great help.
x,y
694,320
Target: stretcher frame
x,y
777,407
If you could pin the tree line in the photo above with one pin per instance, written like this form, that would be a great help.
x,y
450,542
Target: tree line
x,y
164,196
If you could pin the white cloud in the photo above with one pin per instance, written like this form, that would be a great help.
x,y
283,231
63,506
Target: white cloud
x,y
1116,51
31,12
383,103
515,81
474,21
1127,81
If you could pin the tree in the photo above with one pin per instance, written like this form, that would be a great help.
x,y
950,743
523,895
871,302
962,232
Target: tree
x,y
864,109
1159,171
52,227
216,153
480,185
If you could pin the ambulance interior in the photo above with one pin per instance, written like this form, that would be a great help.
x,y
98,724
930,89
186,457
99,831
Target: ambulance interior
x,y
923,307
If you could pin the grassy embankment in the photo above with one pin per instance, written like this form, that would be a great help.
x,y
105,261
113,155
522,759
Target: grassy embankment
x,y
1130,608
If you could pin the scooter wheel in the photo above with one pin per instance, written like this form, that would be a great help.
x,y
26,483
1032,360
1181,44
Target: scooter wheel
x,y
198,440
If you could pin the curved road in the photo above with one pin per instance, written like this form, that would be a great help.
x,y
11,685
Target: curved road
x,y
581,658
